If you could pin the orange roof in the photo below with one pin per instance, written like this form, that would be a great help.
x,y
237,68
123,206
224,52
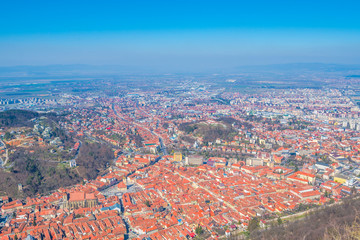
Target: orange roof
x,y
122,185
81,196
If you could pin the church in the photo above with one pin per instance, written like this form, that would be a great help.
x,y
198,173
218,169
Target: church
x,y
79,200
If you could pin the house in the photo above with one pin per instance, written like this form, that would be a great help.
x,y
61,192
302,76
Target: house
x,y
72,163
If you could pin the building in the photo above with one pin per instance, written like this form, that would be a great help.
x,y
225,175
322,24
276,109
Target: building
x,y
20,187
79,199
254,162
302,177
194,159
72,163
347,180
177,157
122,186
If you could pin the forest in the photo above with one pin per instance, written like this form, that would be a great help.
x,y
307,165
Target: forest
x,y
17,118
94,158
22,118
225,129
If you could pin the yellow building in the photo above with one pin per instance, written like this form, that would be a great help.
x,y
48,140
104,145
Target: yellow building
x,y
177,157
340,180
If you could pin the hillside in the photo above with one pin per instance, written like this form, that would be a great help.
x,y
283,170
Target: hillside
x,y
340,221
224,128
93,158
22,118
40,148
17,118
37,173
209,132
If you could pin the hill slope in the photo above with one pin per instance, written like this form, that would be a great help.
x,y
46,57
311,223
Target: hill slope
x,y
340,221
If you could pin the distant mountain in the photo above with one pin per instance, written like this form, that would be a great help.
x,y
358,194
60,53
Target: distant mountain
x,y
85,71
67,70
291,67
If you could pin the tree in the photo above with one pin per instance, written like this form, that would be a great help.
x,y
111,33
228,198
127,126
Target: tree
x,y
327,194
7,136
147,203
254,224
279,220
199,230
353,190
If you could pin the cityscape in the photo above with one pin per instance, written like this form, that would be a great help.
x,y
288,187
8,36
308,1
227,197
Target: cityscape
x,y
180,161
170,121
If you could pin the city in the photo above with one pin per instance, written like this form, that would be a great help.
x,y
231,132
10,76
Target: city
x,y
184,163
179,120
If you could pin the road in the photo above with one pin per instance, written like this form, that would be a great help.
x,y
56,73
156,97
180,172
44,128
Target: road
x,y
2,163
76,154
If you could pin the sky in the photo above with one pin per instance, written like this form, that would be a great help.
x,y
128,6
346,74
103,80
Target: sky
x,y
176,34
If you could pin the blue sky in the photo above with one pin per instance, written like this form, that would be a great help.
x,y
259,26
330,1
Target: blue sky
x,y
179,34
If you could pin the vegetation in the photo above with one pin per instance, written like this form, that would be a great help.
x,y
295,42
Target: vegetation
x,y
254,224
17,118
209,132
147,203
237,123
8,136
45,168
117,137
35,173
22,118
93,158
334,222
199,230
39,171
